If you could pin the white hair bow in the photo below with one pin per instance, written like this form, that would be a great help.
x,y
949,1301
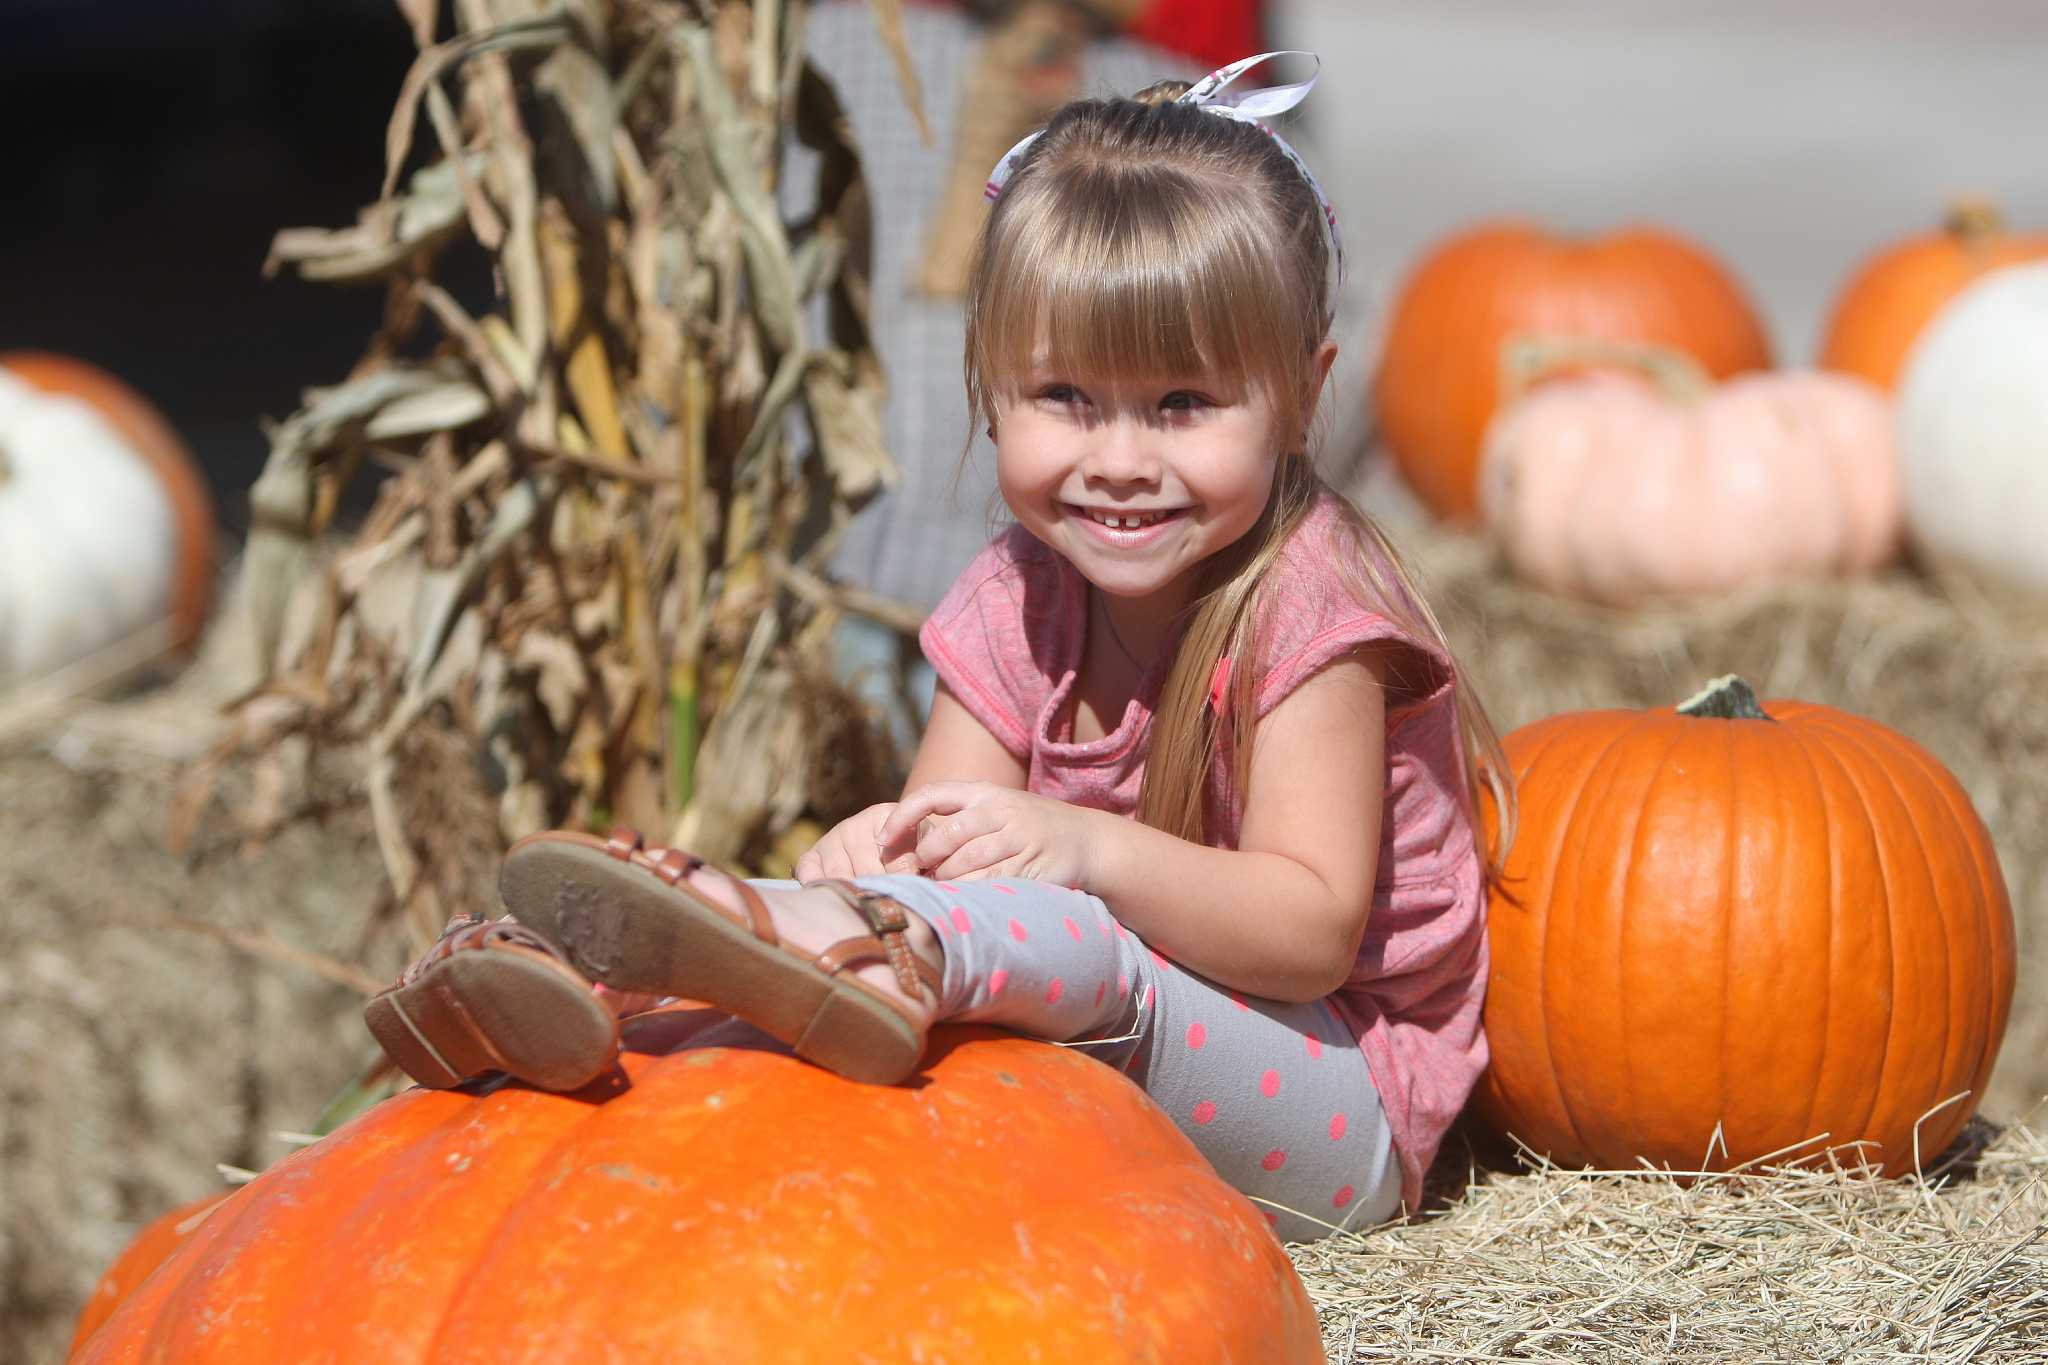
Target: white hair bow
x,y
1246,106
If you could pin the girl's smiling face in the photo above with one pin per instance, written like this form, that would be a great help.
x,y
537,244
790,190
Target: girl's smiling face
x,y
1137,482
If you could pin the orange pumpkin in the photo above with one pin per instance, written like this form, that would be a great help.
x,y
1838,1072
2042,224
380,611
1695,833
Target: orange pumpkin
x,y
1021,1202
1726,929
151,1247
1892,296
181,583
1439,379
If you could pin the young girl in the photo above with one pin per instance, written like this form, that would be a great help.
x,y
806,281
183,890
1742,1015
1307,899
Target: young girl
x,y
1197,790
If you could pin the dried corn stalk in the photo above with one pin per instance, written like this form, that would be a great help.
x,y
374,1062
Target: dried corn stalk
x,y
590,588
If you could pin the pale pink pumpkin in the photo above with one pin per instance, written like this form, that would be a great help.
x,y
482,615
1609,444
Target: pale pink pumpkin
x,y
1643,479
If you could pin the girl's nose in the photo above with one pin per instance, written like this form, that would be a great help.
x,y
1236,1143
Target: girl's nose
x,y
1122,453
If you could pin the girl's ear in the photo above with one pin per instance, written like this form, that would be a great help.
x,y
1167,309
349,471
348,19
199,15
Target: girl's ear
x,y
1326,356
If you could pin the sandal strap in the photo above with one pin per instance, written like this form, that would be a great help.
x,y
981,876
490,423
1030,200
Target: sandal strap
x,y
467,931
673,865
887,918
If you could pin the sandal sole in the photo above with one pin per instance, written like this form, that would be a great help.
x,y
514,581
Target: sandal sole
x,y
494,1009
621,924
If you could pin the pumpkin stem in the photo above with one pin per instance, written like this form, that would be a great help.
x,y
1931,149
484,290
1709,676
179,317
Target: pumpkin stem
x,y
1973,221
1725,698
1529,358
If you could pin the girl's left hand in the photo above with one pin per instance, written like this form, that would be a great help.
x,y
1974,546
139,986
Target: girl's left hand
x,y
968,830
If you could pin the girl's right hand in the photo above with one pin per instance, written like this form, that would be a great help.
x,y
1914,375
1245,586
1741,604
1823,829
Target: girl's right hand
x,y
849,849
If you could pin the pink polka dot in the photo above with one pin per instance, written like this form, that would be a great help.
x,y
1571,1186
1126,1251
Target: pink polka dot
x,y
1158,959
1100,988
947,886
1205,1112
1123,984
1315,1045
1122,932
1073,929
1053,992
1238,1001
959,917
1274,1160
1103,925
1269,1084
1006,890
1342,1197
997,979
1197,1035
1338,1123
1018,932
1146,1004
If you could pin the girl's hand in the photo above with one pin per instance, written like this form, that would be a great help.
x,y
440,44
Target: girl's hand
x,y
852,848
966,830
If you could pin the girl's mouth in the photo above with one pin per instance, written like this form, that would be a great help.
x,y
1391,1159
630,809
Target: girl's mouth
x,y
1124,528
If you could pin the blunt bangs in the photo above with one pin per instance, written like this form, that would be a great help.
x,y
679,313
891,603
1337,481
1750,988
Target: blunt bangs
x,y
1136,273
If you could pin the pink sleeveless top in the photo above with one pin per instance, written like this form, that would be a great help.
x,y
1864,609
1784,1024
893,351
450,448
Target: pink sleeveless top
x,y
1007,640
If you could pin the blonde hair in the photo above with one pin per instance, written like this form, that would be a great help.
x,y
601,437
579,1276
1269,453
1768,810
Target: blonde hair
x,y
1141,237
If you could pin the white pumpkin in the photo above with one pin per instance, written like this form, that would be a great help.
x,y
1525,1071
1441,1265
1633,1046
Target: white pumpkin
x,y
1973,430
1618,487
105,525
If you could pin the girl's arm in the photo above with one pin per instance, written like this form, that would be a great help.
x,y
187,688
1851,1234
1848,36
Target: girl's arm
x,y
1282,915
958,748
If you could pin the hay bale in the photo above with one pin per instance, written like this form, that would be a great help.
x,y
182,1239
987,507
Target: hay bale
x,y
1812,1263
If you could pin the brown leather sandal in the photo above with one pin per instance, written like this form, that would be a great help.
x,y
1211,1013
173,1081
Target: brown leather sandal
x,y
491,995
626,915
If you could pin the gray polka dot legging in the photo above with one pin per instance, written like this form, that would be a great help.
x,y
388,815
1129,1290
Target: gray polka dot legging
x,y
1275,1095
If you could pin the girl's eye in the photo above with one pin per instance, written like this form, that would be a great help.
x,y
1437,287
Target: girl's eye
x,y
1060,395
1181,400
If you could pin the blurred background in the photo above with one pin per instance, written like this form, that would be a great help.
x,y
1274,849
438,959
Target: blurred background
x,y
173,140
155,1019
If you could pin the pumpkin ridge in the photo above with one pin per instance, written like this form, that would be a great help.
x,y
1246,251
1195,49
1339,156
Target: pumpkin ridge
x,y
476,1274
427,1155
1543,742
1674,736
1560,736
1731,845
1849,785
1805,750
147,1291
1879,747
1849,737
1552,1027
1945,794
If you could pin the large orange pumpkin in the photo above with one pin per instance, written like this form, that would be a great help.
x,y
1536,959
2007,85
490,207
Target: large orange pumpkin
x,y
1439,379
1774,922
1021,1202
1893,295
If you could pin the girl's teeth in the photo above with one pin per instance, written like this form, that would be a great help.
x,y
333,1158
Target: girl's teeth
x,y
1128,523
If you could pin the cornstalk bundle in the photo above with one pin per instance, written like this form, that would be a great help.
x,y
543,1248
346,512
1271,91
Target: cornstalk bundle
x,y
590,587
